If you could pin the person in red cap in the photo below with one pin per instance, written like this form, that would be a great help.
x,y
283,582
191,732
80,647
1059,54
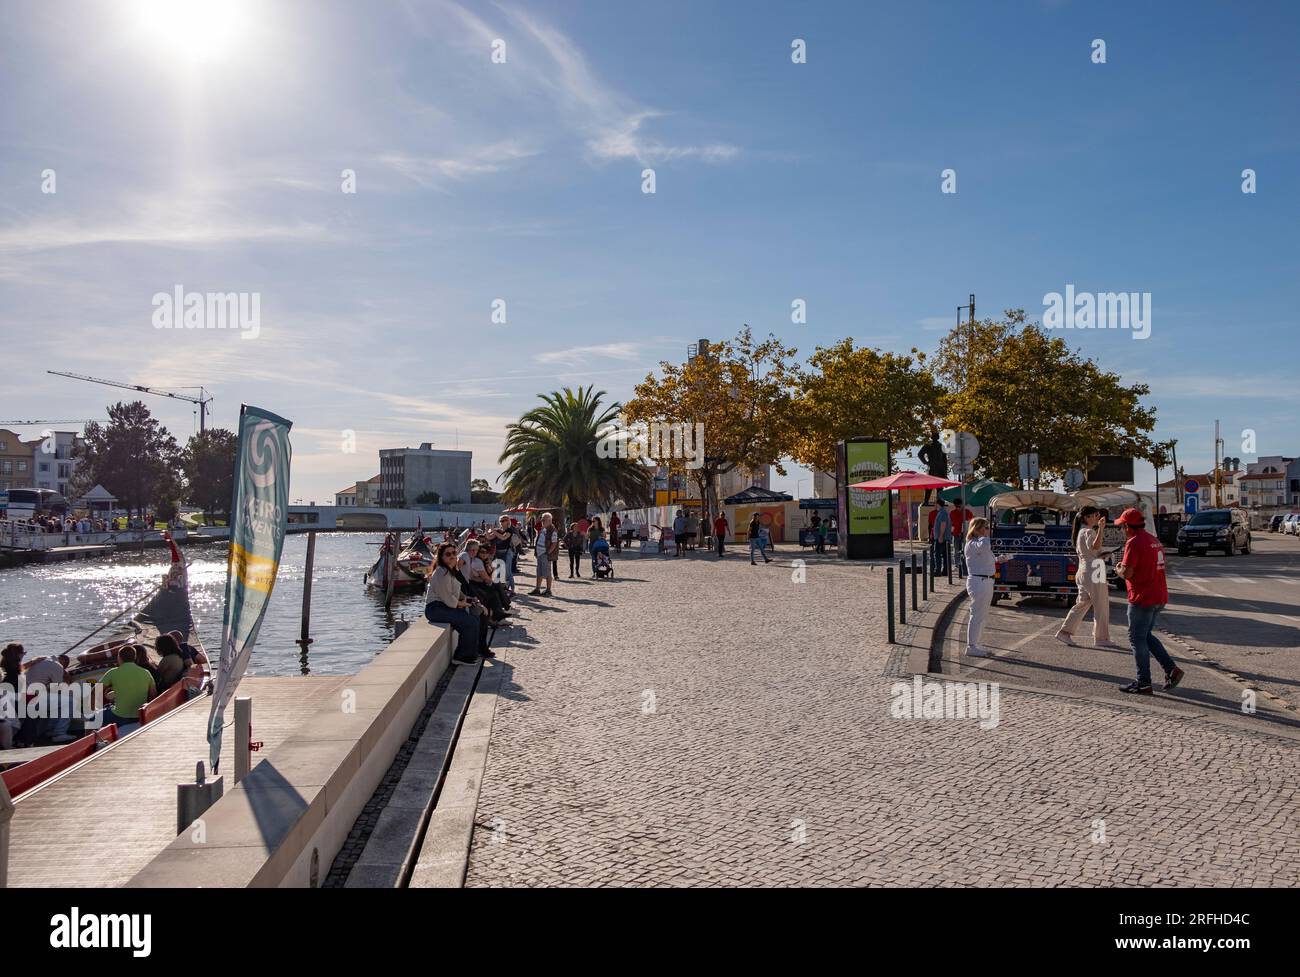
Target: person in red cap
x,y
1143,571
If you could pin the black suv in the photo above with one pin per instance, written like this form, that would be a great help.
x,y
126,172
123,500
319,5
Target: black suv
x,y
1215,529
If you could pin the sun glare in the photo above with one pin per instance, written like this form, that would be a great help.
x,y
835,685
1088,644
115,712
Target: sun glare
x,y
192,31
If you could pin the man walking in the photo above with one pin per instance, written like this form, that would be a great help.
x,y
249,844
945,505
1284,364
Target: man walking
x,y
679,533
940,537
720,528
1143,572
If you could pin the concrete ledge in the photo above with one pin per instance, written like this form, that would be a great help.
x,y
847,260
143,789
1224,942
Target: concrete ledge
x,y
444,852
390,851
285,822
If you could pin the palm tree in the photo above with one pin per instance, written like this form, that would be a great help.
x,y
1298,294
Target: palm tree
x,y
551,455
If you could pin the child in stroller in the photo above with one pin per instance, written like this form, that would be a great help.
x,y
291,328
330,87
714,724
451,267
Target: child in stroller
x,y
601,565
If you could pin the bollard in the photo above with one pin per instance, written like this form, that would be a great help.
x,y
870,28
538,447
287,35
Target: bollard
x,y
926,567
952,555
192,800
889,600
902,592
243,736
914,583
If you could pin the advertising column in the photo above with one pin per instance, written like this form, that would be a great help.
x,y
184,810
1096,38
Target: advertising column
x,y
864,516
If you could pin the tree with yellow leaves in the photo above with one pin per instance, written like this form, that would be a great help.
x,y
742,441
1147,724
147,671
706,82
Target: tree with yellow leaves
x,y
1019,389
853,391
740,391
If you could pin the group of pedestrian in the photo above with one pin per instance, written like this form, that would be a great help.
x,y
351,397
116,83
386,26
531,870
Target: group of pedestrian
x,y
1142,568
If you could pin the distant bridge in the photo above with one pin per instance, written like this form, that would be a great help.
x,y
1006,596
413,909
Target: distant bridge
x,y
303,518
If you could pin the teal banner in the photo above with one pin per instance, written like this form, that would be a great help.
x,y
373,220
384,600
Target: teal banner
x,y
258,516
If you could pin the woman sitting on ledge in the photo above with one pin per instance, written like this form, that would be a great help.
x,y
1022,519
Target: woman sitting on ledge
x,y
445,605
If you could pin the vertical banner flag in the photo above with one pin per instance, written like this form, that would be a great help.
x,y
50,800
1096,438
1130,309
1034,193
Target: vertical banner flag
x,y
258,515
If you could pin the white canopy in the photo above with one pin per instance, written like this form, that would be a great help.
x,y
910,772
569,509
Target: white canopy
x,y
98,494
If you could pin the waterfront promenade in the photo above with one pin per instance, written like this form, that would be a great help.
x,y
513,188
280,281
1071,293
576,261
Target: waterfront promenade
x,y
704,723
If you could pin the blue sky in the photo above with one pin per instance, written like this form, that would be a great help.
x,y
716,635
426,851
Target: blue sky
x,y
212,158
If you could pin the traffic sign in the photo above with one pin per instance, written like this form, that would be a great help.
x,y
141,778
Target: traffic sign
x,y
1029,465
1190,503
1074,480
1191,486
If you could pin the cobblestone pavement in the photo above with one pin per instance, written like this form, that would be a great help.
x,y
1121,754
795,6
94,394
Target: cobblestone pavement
x,y
705,723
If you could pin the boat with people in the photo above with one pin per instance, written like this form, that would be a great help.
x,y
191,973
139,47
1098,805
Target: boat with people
x,y
401,566
179,678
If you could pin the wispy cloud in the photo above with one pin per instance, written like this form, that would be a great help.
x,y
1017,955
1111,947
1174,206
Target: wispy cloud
x,y
613,351
437,171
155,220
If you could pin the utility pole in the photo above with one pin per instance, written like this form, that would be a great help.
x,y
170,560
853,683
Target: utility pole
x,y
1218,467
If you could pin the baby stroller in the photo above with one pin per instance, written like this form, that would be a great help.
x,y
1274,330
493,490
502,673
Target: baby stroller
x,y
601,565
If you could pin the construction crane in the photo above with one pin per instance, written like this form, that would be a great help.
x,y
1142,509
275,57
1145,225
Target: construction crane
x,y
80,420
202,399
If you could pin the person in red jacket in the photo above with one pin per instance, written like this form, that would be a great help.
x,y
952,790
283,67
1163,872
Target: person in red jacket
x,y
1143,571
720,528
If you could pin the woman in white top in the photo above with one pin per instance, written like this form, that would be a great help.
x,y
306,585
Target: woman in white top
x,y
980,565
1089,526
446,605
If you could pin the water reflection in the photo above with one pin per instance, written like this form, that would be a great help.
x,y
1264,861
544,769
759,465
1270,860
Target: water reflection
x,y
50,606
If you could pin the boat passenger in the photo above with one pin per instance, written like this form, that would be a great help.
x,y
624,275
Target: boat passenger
x,y
171,663
130,687
11,666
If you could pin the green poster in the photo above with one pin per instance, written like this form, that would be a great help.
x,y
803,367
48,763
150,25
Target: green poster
x,y
868,511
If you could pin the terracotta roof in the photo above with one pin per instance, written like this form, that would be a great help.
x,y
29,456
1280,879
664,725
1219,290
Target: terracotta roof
x,y
1261,475
350,490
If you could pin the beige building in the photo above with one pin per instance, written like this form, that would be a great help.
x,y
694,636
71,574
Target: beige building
x,y
17,462
360,493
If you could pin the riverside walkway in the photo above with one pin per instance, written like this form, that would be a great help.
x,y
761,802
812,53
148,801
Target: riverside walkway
x,y
697,722
101,822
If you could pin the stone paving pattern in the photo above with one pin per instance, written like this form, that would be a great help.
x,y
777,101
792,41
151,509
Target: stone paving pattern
x,y
771,757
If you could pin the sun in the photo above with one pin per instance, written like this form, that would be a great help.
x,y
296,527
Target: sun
x,y
192,31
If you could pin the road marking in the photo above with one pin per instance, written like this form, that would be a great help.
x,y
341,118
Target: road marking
x,y
1195,583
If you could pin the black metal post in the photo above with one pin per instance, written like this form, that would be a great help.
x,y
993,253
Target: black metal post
x,y
914,584
902,592
925,575
952,556
889,600
304,641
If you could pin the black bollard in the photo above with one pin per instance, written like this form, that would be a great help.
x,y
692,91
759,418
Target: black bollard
x,y
889,600
902,593
952,554
915,570
925,575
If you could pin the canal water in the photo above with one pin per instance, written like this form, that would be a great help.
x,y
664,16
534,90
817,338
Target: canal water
x,y
49,606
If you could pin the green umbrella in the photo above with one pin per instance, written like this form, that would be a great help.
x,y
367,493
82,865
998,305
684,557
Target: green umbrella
x,y
978,492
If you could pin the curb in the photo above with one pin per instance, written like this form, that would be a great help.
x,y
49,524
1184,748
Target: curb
x,y
925,644
390,851
443,855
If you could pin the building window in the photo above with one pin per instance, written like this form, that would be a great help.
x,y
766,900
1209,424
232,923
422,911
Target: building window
x,y
22,466
44,466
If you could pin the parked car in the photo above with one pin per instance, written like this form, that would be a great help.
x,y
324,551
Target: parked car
x,y
1275,524
1291,524
1215,529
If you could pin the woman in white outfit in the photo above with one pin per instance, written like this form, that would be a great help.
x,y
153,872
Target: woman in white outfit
x,y
1090,577
980,564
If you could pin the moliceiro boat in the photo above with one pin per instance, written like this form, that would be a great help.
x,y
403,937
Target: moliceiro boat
x,y
164,610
